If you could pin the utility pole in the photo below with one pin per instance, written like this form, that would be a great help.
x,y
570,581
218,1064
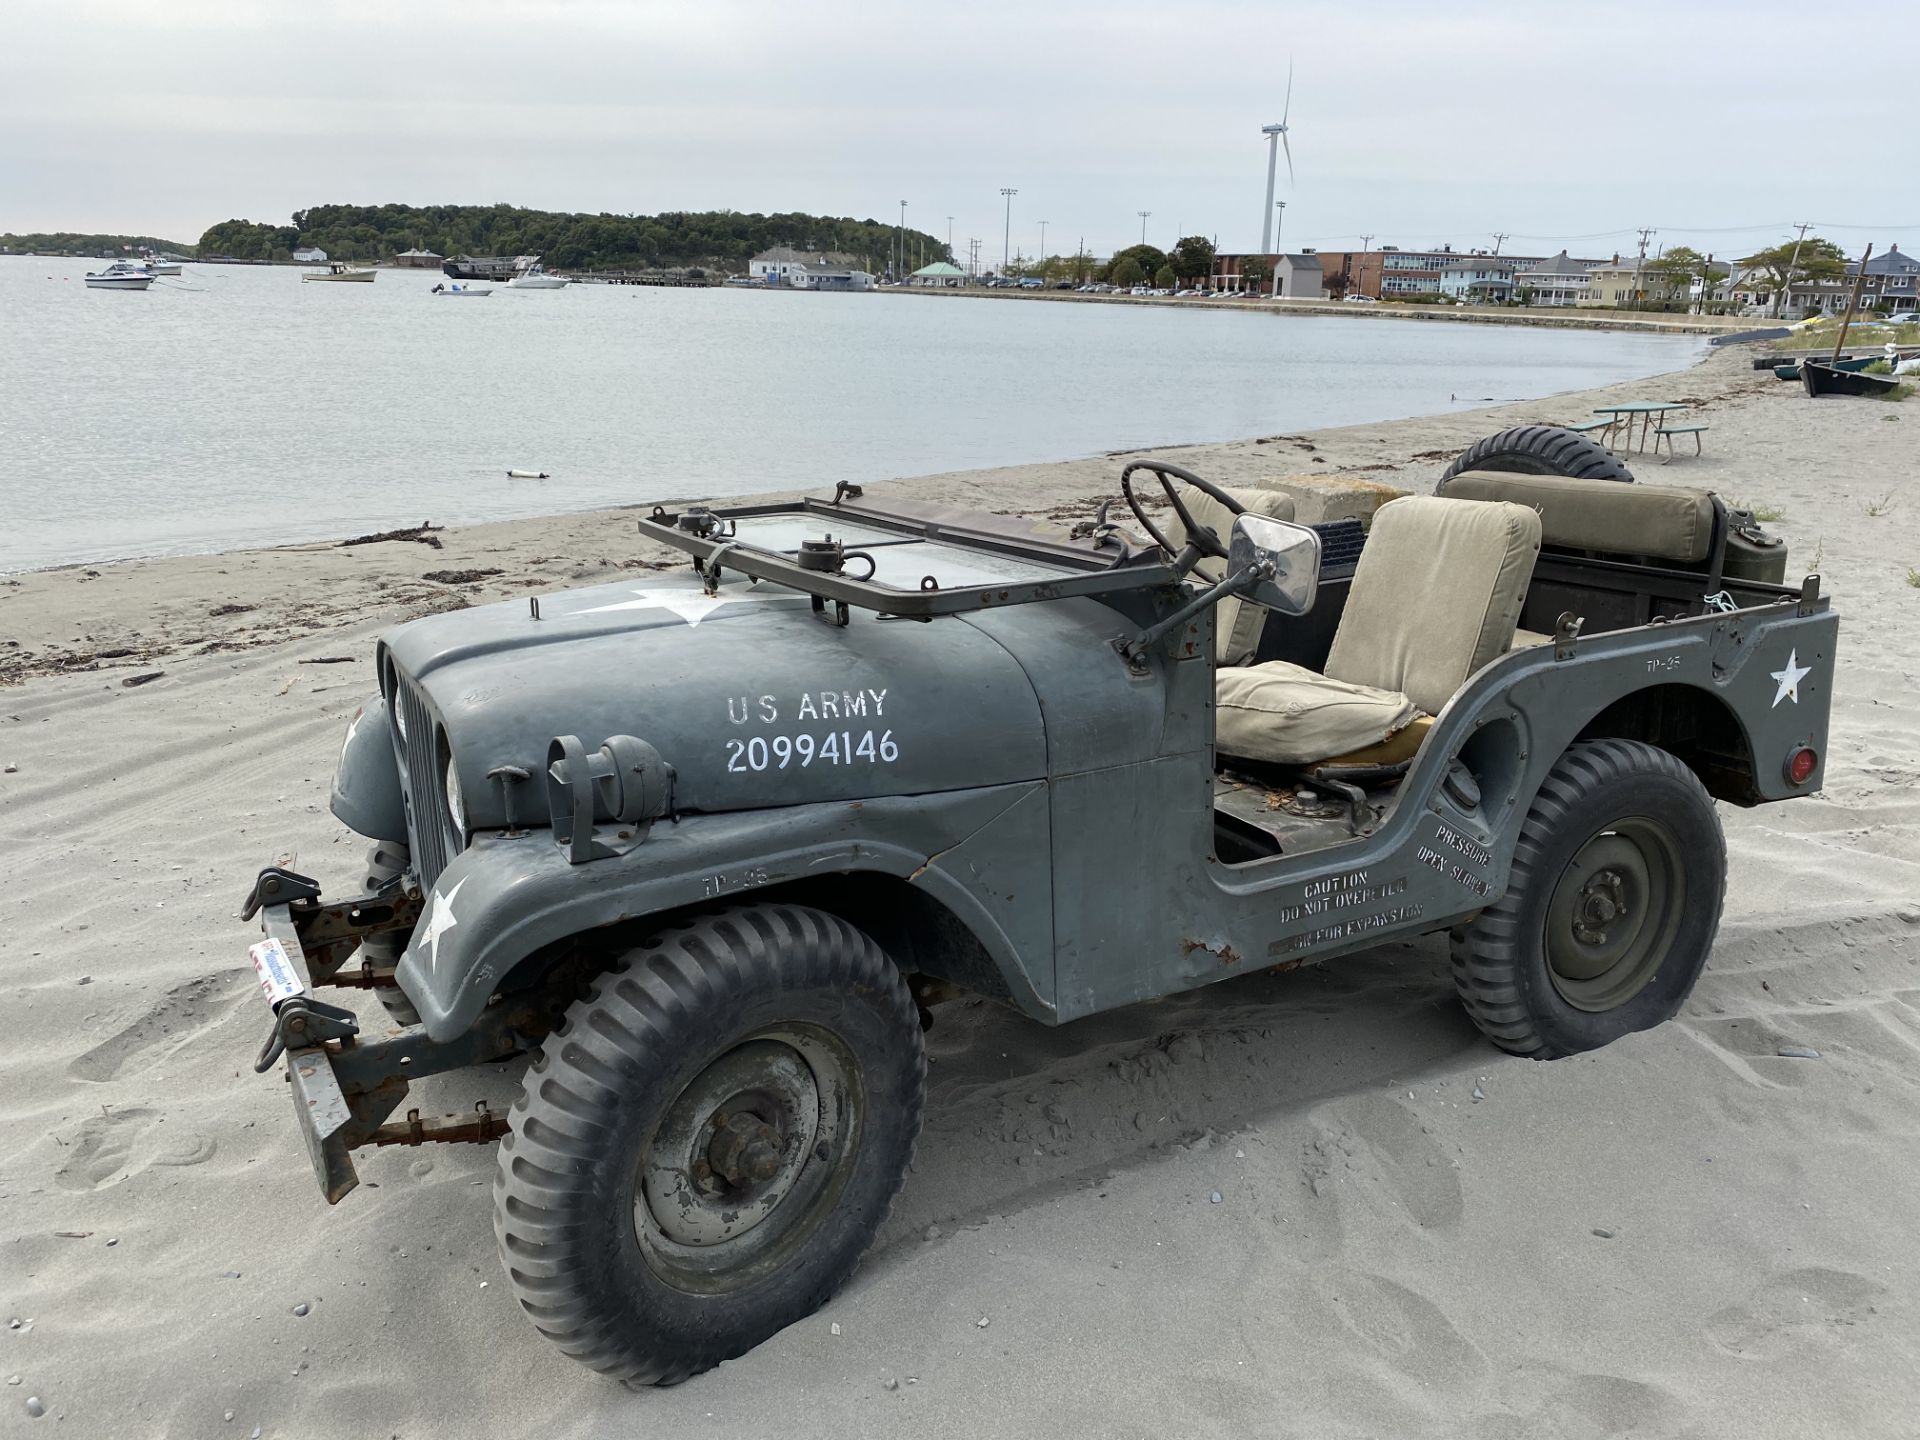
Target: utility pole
x,y
1499,239
1145,215
949,238
1043,242
900,241
1006,234
1279,223
1646,233
1787,289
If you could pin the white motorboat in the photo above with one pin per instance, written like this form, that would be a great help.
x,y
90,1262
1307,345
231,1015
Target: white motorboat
x,y
534,278
340,271
163,267
120,275
462,289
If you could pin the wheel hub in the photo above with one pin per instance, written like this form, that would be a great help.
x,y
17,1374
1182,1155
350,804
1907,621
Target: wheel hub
x,y
1603,899
745,1150
1613,914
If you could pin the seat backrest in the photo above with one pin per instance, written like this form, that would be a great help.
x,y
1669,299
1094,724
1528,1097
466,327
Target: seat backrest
x,y
1660,521
1437,594
1237,623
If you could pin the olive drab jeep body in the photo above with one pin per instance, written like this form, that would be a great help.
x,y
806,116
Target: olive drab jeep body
x,y
895,752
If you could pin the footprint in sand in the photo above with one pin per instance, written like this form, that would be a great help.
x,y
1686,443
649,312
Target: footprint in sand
x,y
184,1012
117,1145
1372,1143
1795,1308
1588,1405
1409,1331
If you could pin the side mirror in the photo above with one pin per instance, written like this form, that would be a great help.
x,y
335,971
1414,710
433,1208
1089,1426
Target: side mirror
x,y
1289,555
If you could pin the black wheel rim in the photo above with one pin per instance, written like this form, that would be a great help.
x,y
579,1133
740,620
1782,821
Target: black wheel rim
x,y
748,1159
1614,913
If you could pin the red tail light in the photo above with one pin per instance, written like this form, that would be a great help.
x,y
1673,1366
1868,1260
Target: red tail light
x,y
1801,764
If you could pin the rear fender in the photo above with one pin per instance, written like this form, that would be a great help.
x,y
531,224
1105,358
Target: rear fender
x,y
508,896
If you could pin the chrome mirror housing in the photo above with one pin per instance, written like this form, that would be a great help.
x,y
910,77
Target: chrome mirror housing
x,y
1287,557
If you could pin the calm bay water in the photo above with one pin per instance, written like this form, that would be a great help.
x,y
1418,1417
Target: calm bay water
x,y
253,409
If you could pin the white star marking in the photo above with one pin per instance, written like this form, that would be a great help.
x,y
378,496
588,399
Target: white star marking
x,y
692,606
438,924
1790,679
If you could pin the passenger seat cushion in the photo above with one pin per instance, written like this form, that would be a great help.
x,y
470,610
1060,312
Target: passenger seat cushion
x,y
1236,623
1285,714
1436,595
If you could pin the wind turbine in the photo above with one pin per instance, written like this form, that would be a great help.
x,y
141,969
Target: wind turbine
x,y
1276,138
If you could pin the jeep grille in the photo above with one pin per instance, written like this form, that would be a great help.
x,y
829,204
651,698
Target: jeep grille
x,y
428,820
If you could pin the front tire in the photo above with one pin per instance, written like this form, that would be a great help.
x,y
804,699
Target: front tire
x,y
704,1148
1611,905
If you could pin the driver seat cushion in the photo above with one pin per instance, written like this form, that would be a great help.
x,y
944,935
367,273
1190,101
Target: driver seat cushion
x,y
1237,623
1286,714
1437,595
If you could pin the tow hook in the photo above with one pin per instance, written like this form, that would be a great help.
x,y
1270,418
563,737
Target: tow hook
x,y
301,1022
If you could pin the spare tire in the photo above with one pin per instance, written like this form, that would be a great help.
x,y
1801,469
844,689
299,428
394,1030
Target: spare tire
x,y
1539,450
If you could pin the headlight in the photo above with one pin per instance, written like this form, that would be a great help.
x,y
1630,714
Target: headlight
x,y
455,807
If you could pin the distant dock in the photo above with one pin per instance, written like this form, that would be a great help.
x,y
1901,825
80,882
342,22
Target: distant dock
x,y
678,279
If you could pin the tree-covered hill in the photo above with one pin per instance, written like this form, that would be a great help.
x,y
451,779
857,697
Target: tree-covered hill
x,y
66,242
724,239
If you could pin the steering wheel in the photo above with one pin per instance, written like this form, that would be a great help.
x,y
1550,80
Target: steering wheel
x,y
1201,540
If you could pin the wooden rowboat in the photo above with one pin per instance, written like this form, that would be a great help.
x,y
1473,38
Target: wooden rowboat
x,y
1823,379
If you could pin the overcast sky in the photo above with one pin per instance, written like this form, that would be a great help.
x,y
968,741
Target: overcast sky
x,y
1418,121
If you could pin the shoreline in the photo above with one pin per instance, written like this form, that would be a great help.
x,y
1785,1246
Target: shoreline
x,y
129,615
1558,318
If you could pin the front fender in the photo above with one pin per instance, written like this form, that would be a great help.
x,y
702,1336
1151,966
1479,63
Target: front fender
x,y
366,783
505,897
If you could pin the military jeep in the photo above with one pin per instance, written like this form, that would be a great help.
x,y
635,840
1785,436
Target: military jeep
x,y
713,846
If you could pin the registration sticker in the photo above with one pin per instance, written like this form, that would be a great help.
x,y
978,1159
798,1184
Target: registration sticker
x,y
277,976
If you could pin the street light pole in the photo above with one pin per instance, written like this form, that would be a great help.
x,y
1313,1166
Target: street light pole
x,y
1006,231
949,237
900,241
1144,216
1043,242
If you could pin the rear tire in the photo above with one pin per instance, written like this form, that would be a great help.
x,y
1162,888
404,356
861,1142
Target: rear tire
x,y
706,1145
1539,450
1611,905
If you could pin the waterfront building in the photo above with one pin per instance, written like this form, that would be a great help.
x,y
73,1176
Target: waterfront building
x,y
1478,280
1559,280
1296,276
418,259
939,275
310,255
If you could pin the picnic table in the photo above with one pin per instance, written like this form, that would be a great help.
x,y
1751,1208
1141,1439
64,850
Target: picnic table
x,y
1646,413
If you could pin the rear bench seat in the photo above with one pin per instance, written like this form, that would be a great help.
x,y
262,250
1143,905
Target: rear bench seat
x,y
1608,516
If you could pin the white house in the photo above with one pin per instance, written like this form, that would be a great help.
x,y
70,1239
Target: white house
x,y
1478,279
310,255
826,277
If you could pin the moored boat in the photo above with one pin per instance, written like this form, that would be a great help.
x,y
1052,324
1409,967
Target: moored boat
x,y
535,278
120,275
339,270
1821,378
461,290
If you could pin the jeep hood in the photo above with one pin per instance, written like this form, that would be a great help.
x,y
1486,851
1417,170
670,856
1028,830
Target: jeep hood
x,y
754,699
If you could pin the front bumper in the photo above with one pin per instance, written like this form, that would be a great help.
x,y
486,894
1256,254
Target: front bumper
x,y
344,1088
